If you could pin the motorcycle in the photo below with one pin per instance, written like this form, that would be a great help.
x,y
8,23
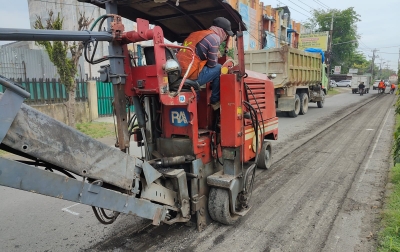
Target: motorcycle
x,y
361,91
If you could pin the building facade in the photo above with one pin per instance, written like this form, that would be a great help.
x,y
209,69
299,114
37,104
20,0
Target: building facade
x,y
268,27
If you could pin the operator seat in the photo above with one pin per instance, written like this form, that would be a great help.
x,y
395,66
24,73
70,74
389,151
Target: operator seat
x,y
174,78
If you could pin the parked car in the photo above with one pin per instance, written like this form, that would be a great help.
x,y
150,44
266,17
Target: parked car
x,y
332,83
375,86
344,83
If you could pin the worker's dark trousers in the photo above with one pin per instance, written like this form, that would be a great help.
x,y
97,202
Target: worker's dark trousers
x,y
212,74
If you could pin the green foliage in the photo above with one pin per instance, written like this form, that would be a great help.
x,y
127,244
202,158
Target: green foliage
x,y
396,144
230,53
389,237
344,30
359,61
96,130
57,51
398,76
333,91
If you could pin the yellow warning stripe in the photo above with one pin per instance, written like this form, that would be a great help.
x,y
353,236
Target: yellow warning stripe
x,y
250,133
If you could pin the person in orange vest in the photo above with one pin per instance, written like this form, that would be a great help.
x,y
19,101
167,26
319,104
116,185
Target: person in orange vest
x,y
205,67
381,85
392,88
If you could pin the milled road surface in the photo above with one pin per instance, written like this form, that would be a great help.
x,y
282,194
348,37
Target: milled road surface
x,y
323,193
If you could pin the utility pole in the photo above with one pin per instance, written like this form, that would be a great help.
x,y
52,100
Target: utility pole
x,y
328,57
373,62
380,67
398,62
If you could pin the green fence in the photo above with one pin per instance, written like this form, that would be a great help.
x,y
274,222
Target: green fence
x,y
45,91
105,96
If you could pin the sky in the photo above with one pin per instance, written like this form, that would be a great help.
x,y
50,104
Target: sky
x,y
379,27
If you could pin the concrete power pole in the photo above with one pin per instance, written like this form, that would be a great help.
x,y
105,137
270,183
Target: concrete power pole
x,y
398,62
373,62
328,57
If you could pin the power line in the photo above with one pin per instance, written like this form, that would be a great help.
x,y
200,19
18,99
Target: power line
x,y
297,5
295,9
322,4
307,5
365,44
388,53
390,46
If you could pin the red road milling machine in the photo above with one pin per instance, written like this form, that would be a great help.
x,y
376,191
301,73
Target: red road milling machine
x,y
196,165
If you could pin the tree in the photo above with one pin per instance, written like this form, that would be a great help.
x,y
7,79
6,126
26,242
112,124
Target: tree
x,y
398,76
230,52
344,34
58,53
359,62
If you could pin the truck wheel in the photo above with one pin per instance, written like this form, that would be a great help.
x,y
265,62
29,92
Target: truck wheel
x,y
320,104
218,206
303,103
296,111
264,159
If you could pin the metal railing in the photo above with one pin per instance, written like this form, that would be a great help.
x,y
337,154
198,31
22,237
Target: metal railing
x,y
48,91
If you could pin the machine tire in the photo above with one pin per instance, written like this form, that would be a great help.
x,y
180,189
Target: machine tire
x,y
296,111
303,103
320,104
265,157
218,206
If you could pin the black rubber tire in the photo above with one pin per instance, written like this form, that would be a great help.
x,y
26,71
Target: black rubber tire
x,y
303,103
218,206
296,111
320,104
265,157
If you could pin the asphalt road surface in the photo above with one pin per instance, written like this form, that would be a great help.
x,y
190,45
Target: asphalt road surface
x,y
323,192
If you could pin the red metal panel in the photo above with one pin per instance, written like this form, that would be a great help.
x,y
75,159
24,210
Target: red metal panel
x,y
204,110
146,74
231,111
263,90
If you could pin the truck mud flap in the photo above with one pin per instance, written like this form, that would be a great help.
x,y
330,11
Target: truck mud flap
x,y
286,104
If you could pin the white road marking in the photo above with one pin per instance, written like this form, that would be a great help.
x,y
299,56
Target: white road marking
x,y
69,211
373,150
369,129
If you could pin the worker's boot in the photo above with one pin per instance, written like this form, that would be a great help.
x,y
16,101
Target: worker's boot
x,y
215,106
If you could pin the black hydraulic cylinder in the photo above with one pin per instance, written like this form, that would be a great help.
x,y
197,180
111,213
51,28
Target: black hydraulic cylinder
x,y
139,112
52,35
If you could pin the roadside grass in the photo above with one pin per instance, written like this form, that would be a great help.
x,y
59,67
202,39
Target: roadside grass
x,y
96,129
333,91
2,153
389,236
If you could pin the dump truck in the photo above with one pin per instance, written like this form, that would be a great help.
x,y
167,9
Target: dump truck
x,y
299,77
357,79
